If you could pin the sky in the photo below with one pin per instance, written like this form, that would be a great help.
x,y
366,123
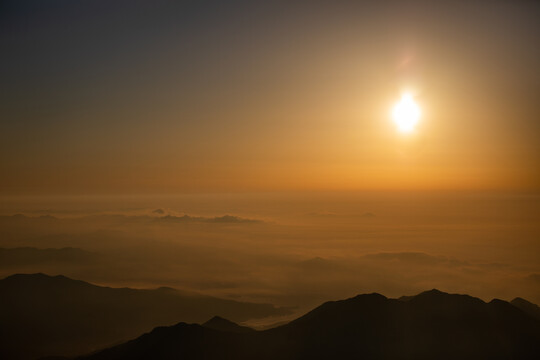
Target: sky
x,y
115,97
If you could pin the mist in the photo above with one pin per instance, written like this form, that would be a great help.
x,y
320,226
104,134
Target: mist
x,y
287,249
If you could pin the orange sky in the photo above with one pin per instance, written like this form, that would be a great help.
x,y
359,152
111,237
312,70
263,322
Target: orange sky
x,y
272,98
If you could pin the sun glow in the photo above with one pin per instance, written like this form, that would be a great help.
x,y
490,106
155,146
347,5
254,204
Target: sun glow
x,y
406,114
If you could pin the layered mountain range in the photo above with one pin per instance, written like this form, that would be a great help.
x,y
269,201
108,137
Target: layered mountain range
x,y
431,325
43,315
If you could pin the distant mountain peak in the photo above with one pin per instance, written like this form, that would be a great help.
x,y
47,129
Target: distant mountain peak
x,y
428,294
39,275
221,324
41,279
435,296
372,296
527,307
36,276
434,292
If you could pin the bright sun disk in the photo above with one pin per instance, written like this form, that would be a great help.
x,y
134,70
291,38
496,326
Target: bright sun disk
x,y
406,114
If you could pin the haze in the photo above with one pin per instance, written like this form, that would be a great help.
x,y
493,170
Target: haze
x,y
268,124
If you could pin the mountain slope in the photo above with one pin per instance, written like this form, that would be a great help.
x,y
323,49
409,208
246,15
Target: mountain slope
x,y
431,325
221,324
53,315
528,307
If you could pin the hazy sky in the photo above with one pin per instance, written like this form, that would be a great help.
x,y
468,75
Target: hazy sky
x,y
109,96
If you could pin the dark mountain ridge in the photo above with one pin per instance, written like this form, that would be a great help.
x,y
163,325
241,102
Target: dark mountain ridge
x,y
528,307
221,324
43,315
431,325
24,220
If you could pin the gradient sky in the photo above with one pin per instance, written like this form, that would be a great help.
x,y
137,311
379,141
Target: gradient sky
x,y
115,96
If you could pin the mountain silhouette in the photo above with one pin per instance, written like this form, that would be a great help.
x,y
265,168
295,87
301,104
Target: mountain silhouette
x,y
221,324
43,315
528,307
431,325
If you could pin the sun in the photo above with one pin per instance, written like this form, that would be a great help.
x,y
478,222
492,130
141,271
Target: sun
x,y
406,113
